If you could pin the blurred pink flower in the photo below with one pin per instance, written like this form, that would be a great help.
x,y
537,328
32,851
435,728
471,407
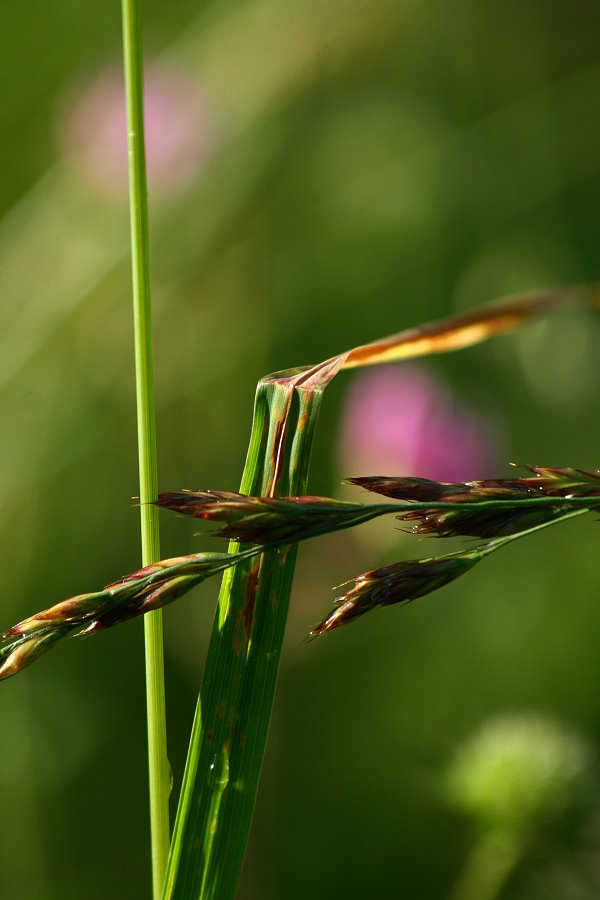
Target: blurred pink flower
x,y
180,133
402,420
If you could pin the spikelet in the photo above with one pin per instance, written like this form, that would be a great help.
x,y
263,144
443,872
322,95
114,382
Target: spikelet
x,y
397,583
149,588
268,520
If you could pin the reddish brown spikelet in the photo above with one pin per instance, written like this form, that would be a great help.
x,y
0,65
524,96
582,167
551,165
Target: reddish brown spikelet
x,y
152,569
67,612
151,597
564,482
200,504
397,583
424,490
265,520
546,481
21,654
133,595
481,523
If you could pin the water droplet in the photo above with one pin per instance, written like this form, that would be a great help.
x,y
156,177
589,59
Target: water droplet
x,y
218,772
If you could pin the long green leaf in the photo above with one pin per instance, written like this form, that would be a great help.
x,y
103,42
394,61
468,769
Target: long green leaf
x,y
232,718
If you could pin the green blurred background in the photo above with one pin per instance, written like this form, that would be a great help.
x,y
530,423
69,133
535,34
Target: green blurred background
x,y
344,170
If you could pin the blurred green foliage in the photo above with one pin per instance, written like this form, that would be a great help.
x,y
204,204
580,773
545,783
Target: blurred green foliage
x,y
373,166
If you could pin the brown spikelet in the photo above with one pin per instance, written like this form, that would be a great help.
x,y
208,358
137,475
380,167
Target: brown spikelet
x,y
267,520
508,518
547,481
22,652
397,583
148,588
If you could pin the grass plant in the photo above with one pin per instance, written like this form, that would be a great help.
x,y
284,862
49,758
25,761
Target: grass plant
x,y
270,515
265,521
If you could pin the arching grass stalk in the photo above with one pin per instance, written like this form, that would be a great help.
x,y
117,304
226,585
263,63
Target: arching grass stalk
x,y
138,200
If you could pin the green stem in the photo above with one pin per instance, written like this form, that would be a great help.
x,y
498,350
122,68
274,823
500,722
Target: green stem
x,y
487,869
159,777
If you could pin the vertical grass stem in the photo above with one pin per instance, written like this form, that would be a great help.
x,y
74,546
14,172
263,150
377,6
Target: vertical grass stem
x,y
138,199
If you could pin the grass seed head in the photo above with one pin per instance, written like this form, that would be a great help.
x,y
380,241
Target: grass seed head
x,y
397,583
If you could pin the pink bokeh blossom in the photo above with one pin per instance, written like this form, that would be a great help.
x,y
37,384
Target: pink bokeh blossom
x,y
179,130
403,420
